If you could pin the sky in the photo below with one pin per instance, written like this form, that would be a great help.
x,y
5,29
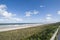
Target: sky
x,y
29,11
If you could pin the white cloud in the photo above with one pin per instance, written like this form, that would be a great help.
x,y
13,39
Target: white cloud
x,y
42,6
48,18
3,6
33,12
58,12
28,13
40,19
48,15
4,14
18,19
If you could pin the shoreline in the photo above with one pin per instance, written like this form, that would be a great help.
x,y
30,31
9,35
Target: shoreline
x,y
14,27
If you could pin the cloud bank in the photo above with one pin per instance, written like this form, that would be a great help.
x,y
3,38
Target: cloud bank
x,y
33,12
5,15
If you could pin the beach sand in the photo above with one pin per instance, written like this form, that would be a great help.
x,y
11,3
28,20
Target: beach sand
x,y
14,27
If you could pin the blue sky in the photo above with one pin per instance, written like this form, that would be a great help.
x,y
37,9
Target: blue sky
x,y
29,11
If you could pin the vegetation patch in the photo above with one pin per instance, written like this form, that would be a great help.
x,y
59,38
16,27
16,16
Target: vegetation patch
x,y
42,32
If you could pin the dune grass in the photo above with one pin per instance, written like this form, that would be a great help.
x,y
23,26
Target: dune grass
x,y
42,32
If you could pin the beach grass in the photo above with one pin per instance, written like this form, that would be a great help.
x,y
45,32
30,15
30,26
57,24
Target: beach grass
x,y
42,32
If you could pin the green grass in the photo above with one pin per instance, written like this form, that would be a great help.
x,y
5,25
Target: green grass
x,y
43,32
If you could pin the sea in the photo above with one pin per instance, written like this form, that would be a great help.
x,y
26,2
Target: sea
x,y
12,25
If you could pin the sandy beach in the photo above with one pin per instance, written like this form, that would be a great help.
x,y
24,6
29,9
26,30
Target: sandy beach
x,y
14,27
